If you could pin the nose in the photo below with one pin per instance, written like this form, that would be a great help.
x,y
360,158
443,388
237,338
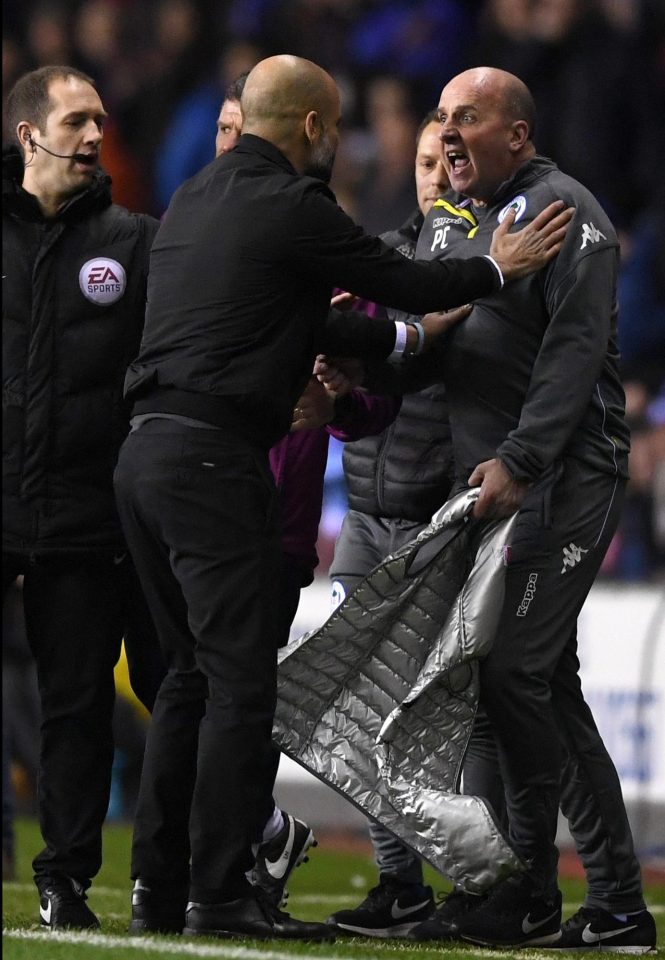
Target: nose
x,y
448,130
93,133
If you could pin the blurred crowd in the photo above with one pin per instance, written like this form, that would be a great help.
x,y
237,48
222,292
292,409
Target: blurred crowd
x,y
596,68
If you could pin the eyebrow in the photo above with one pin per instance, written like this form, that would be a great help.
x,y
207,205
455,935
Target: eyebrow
x,y
76,114
463,106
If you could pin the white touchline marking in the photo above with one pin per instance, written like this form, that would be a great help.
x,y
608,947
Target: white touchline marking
x,y
185,948
153,944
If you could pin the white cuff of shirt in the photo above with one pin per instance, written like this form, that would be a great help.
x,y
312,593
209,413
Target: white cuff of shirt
x,y
400,341
496,267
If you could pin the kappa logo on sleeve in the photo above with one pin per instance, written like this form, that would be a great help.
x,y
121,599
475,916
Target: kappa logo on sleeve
x,y
590,234
102,281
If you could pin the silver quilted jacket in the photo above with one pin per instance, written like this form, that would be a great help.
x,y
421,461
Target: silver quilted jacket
x,y
379,702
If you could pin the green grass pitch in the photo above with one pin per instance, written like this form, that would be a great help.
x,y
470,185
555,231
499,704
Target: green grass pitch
x,y
331,880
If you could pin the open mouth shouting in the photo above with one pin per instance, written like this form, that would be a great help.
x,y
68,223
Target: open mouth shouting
x,y
457,161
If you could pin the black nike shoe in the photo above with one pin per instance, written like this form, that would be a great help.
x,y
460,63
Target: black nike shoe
x,y
441,925
511,916
252,917
594,929
62,905
277,858
391,909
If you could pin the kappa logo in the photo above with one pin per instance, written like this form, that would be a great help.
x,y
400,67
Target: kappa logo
x,y
529,594
591,235
442,221
102,281
572,555
518,204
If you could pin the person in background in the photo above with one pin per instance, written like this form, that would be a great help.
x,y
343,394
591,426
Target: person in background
x,y
395,482
75,267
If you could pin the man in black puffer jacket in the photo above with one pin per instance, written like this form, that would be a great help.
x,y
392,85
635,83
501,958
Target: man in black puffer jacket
x,y
74,277
396,481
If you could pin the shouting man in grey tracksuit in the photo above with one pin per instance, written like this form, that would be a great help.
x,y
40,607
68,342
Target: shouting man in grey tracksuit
x,y
537,418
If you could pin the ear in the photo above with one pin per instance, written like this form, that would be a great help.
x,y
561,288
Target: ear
x,y
519,135
24,136
312,124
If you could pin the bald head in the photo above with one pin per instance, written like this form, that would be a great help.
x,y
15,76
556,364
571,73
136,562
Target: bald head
x,y
507,91
295,105
280,89
487,119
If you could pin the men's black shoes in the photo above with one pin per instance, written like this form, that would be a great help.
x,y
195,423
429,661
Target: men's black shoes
x,y
512,915
251,917
594,929
390,909
442,924
277,858
157,910
62,905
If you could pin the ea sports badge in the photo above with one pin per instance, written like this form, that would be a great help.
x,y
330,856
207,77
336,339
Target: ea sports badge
x,y
518,204
102,281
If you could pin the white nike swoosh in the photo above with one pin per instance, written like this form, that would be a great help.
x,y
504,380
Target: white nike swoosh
x,y
277,868
588,936
528,926
397,912
45,914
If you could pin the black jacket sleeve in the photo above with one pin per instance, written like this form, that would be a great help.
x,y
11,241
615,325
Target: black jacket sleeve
x,y
329,245
348,333
408,376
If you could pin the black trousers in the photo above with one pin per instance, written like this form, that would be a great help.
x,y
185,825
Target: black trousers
x,y
198,509
550,750
77,608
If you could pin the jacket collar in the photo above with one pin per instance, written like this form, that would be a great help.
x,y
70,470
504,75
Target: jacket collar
x,y
19,203
249,143
531,171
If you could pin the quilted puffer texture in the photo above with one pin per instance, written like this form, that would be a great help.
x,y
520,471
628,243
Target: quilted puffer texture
x,y
379,702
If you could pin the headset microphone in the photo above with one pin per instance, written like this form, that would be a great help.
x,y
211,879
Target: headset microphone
x,y
79,157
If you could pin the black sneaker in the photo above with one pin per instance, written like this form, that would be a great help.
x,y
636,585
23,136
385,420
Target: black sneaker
x,y
62,905
440,925
276,858
511,916
390,909
157,910
594,929
252,917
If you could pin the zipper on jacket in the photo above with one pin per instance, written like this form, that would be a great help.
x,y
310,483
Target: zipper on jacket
x,y
379,485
